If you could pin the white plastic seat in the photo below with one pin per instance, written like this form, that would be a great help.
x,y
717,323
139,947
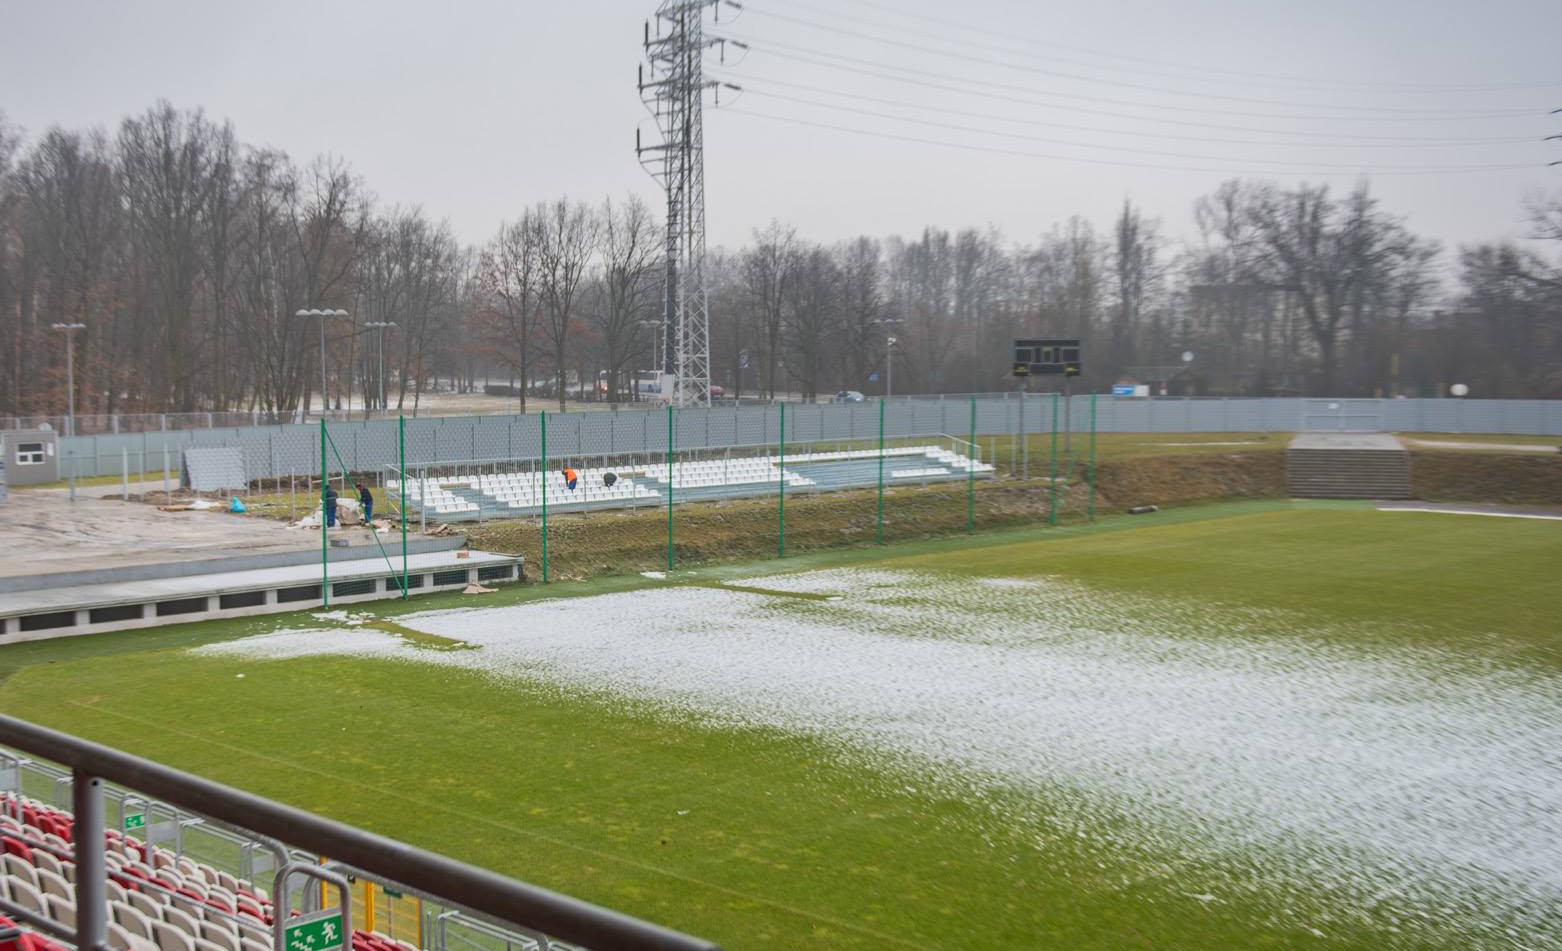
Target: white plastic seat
x,y
62,910
170,938
189,906
52,883
133,921
121,940
149,904
50,862
181,919
225,937
15,865
25,894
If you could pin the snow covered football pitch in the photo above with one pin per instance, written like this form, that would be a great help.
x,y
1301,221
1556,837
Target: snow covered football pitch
x,y
1300,729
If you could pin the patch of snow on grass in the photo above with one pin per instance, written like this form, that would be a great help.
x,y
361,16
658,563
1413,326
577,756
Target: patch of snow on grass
x,y
1410,773
282,645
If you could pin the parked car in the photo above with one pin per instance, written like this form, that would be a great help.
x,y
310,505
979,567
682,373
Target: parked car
x,y
849,396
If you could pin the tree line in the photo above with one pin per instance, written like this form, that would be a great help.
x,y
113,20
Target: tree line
x,y
187,253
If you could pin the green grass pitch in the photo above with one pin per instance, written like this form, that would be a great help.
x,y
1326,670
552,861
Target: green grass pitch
x,y
758,835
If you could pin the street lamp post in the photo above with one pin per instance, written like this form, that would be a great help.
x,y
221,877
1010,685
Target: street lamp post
x,y
889,367
321,315
70,374
380,326
656,348
889,356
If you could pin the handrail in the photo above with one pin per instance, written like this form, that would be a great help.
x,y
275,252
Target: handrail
x,y
481,891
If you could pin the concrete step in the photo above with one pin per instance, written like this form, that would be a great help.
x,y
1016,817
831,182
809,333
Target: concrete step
x,y
1348,473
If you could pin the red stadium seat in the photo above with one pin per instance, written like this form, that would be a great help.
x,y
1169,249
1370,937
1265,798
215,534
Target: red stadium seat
x,y
17,847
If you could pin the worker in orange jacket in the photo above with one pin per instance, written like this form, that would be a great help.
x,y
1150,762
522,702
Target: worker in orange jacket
x,y
571,478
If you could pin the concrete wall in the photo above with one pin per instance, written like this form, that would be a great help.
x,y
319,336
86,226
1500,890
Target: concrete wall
x,y
294,450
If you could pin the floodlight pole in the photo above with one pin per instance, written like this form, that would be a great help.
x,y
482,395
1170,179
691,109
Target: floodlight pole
x,y
70,374
380,326
321,315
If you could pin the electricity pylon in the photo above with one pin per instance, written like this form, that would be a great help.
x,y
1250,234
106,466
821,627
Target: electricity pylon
x,y
673,89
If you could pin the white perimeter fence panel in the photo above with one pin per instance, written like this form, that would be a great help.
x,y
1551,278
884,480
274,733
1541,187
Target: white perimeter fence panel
x,y
371,445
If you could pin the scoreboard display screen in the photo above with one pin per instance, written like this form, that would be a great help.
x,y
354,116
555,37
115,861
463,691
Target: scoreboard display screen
x,y
1039,357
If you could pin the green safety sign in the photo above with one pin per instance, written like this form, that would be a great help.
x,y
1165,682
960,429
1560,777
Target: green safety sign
x,y
390,892
319,934
136,821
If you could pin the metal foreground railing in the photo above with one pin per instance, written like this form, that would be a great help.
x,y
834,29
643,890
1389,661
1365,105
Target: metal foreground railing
x,y
503,902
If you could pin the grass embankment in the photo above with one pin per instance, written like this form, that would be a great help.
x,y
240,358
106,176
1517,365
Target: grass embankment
x,y
762,840
604,543
1509,478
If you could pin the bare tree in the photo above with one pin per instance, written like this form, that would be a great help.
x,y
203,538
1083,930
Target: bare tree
x,y
812,314
566,240
767,273
630,287
861,310
1135,246
166,160
509,274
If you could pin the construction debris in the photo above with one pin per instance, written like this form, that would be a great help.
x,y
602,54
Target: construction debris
x,y
477,589
439,530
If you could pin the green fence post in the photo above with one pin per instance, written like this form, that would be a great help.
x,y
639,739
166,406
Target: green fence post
x,y
669,487
325,574
1052,505
543,415
970,478
782,550
406,591
1091,510
879,533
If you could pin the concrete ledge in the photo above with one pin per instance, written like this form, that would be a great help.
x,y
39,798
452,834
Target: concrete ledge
x,y
207,566
67,611
1370,442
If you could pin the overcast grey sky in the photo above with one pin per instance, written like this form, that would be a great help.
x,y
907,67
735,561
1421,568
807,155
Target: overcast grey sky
x,y
475,109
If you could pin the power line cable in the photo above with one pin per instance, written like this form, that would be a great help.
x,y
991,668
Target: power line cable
x,y
901,13
820,58
967,147
956,127
1041,71
1340,141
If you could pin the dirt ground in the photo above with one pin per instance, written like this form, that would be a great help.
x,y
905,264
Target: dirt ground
x,y
44,531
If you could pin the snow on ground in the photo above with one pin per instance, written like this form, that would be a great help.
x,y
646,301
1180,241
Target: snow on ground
x,y
1422,779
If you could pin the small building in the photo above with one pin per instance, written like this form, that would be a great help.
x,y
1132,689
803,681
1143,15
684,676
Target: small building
x,y
32,456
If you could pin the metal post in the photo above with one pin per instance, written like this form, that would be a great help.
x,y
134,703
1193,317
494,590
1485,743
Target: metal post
x,y
1091,509
70,385
406,590
879,531
970,477
1024,433
669,487
1068,418
325,483
325,402
166,489
782,483
124,473
543,475
1052,504
91,900
889,367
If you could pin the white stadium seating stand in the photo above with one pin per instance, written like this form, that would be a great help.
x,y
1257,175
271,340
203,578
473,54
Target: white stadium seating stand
x,y
497,494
